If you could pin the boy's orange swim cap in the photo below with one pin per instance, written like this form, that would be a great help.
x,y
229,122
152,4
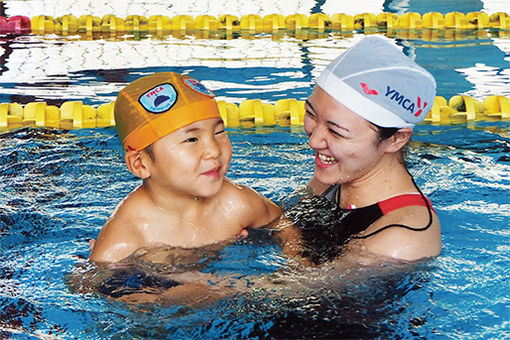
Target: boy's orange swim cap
x,y
151,107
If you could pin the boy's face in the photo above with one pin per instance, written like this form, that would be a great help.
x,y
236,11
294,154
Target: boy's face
x,y
192,160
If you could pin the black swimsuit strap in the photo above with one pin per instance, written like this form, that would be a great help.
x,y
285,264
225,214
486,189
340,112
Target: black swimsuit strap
x,y
331,193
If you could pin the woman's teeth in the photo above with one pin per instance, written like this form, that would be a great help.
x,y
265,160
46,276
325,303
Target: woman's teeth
x,y
327,159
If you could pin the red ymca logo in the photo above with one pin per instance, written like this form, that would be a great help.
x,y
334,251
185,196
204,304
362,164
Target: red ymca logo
x,y
420,108
368,90
154,91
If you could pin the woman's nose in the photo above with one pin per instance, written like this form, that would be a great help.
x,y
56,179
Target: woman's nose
x,y
317,138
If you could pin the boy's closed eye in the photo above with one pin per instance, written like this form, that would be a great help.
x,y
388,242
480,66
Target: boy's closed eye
x,y
191,140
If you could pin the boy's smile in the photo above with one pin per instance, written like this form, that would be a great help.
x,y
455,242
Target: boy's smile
x,y
215,172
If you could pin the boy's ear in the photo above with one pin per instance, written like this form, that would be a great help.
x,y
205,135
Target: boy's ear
x,y
137,164
398,140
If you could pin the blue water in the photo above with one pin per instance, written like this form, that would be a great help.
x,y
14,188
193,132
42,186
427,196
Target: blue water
x,y
57,188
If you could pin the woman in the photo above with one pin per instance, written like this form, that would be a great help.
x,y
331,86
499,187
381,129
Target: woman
x,y
359,119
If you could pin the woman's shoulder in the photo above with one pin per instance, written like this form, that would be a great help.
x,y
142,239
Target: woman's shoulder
x,y
408,233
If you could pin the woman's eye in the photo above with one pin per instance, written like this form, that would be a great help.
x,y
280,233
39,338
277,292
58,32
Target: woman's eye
x,y
191,140
219,132
335,133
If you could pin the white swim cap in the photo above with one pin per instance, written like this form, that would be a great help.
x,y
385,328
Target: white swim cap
x,y
381,84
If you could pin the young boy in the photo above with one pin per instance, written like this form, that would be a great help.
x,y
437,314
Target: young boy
x,y
174,139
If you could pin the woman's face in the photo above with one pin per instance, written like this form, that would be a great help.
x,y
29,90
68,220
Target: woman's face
x,y
345,144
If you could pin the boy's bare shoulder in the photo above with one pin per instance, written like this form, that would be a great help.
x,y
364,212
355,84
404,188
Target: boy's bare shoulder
x,y
132,204
243,196
127,214
242,192
254,209
120,236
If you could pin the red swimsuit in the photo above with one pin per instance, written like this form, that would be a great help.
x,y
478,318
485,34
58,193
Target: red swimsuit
x,y
402,201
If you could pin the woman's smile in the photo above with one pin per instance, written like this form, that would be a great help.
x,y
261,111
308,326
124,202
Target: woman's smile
x,y
324,161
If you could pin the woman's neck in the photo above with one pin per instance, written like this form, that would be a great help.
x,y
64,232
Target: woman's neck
x,y
388,178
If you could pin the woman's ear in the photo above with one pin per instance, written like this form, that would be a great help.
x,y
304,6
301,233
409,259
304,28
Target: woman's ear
x,y
137,164
398,140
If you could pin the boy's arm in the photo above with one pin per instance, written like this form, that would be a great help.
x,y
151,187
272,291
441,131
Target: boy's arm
x,y
116,241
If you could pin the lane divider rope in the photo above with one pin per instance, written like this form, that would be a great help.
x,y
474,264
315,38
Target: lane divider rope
x,y
248,114
251,23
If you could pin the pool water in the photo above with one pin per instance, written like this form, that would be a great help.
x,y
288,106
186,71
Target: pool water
x,y
57,188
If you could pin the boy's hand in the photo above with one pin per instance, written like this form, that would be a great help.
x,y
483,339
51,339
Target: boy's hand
x,y
243,234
